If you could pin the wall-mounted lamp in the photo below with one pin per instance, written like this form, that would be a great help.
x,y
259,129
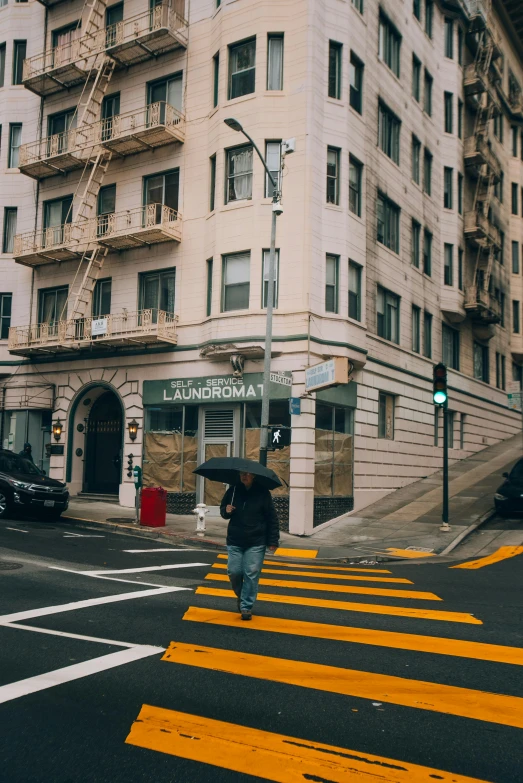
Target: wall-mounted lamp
x,y
133,429
57,429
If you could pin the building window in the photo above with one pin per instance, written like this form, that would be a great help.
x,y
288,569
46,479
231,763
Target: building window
x,y
416,240
500,371
427,252
333,175
212,183
416,160
448,271
265,288
354,291
157,292
102,298
429,17
355,185
57,213
209,265
215,79
239,174
460,45
515,258
502,308
460,118
331,283
498,187
15,140
515,136
335,57
450,346
501,255
19,54
515,189
462,420
498,127
106,206
388,315
449,112
275,61
515,316
52,304
416,78
162,190
481,362
448,198
386,416
460,194
5,315
356,83
449,38
10,217
389,47
358,5
427,335
416,9
450,428
2,64
388,229
273,161
236,282
389,127
427,97
242,68
333,469
427,172
460,269
416,329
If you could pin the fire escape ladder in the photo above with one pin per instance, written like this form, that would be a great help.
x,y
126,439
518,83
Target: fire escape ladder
x,y
89,108
83,284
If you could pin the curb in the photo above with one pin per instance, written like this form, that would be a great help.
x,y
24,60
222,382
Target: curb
x,y
486,517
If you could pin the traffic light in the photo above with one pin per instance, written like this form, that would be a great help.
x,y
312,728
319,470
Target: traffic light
x,y
439,393
130,466
279,437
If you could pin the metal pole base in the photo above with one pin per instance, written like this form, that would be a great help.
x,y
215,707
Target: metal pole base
x,y
445,527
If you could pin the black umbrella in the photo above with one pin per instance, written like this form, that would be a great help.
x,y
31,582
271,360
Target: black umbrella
x,y
227,470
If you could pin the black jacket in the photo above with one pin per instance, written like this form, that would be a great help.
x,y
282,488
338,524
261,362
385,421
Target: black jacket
x,y
254,521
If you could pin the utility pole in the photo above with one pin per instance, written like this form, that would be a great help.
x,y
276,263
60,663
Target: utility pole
x,y
441,400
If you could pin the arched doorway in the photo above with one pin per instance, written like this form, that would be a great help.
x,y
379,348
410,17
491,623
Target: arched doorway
x,y
103,446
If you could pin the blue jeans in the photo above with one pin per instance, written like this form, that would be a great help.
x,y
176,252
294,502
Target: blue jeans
x,y
244,567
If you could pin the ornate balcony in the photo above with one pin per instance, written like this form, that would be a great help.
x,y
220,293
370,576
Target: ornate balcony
x,y
55,154
141,37
59,243
136,131
478,153
479,229
114,330
140,227
482,306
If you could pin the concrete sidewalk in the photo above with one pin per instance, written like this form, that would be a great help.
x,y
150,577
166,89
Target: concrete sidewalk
x,y
404,524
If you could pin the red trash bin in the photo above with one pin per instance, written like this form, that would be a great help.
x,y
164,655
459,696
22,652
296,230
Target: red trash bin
x,y
153,507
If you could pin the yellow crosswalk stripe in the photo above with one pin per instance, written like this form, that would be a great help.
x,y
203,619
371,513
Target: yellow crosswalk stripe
x,y
407,553
320,567
348,606
381,591
270,756
342,633
503,553
282,552
431,696
314,575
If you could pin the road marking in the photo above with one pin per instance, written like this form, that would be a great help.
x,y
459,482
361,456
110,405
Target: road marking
x,y
165,549
68,635
407,553
329,576
141,570
270,756
296,552
338,588
347,606
79,535
503,553
322,567
431,696
17,529
108,578
44,611
402,641
76,672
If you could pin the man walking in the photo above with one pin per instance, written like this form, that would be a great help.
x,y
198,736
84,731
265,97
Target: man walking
x,y
253,526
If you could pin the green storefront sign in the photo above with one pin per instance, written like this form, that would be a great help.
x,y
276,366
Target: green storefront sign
x,y
216,389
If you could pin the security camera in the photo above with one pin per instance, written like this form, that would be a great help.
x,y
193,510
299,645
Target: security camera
x,y
277,208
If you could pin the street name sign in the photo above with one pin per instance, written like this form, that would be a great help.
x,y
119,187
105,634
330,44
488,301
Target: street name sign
x,y
330,373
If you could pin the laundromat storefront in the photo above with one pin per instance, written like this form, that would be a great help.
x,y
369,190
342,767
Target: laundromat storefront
x,y
189,420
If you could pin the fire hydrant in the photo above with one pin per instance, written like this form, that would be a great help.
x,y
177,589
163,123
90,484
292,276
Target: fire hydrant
x,y
201,510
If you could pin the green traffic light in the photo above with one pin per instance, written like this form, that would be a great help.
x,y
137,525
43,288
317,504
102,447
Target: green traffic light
x,y
440,397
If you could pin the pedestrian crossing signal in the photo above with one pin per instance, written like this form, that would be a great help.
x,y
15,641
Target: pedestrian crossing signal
x,y
279,437
439,393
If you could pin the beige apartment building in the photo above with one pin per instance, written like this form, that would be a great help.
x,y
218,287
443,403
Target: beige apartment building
x,y
136,228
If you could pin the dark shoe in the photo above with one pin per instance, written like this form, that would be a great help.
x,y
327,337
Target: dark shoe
x,y
246,615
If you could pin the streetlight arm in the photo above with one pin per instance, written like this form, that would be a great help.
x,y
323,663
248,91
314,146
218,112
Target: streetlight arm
x,y
273,181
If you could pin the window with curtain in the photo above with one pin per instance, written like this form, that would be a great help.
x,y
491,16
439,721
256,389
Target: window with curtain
x,y
51,304
331,283
450,346
275,61
236,282
242,68
239,174
356,68
157,291
355,185
265,289
389,127
354,291
10,218
167,90
388,315
416,239
334,79
15,141
388,223
19,55
102,297
273,161
333,175
416,329
5,315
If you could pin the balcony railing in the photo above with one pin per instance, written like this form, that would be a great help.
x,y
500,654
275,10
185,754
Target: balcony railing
x,y
479,228
481,305
54,154
116,329
57,243
478,153
135,131
141,37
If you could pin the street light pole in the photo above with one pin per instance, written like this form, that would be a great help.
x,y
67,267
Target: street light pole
x,y
276,210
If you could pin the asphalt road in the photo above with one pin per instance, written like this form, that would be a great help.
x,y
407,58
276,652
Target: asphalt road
x,y
209,698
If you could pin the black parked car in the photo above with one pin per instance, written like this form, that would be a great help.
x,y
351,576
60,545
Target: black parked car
x,y
24,487
509,496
